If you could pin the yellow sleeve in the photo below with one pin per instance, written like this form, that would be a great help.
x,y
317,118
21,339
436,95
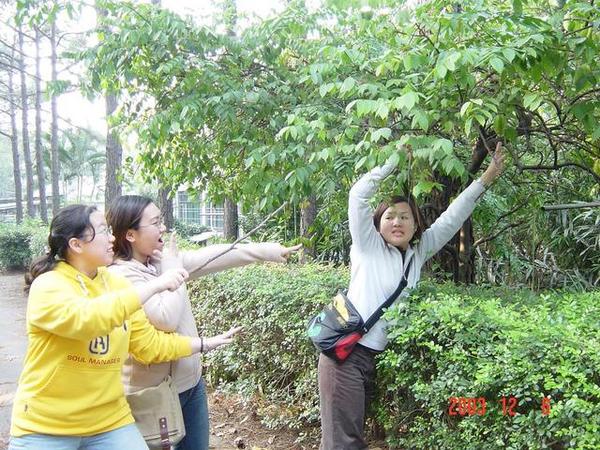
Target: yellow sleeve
x,y
59,308
149,345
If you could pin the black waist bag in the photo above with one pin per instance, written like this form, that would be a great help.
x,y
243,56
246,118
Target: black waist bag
x,y
336,330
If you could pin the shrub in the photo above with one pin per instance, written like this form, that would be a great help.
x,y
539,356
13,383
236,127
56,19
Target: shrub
x,y
20,244
457,342
447,342
187,230
274,356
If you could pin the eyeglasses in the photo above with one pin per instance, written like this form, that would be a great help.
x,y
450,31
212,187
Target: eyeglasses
x,y
158,223
107,231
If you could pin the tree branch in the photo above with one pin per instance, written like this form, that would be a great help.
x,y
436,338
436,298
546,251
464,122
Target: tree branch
x,y
250,233
478,242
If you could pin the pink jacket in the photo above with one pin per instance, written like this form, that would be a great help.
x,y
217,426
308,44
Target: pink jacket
x,y
172,311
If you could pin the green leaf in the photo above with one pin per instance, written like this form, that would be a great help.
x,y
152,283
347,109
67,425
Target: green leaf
x,y
420,118
451,60
384,109
378,134
517,7
423,187
500,124
441,70
347,85
407,101
325,89
465,108
532,101
365,107
509,54
497,64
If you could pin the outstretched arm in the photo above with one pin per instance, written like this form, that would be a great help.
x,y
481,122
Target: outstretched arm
x,y
360,215
450,221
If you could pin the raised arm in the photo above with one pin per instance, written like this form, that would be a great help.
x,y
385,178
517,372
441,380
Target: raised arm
x,y
360,215
450,221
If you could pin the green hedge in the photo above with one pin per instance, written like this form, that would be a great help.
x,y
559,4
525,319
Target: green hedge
x,y
448,342
475,342
273,357
20,244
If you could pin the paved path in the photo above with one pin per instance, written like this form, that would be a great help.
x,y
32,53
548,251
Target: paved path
x,y
13,345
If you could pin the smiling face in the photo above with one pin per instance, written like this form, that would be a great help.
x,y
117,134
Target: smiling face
x,y
95,247
148,235
398,225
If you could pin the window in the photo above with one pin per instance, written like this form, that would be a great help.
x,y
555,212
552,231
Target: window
x,y
200,211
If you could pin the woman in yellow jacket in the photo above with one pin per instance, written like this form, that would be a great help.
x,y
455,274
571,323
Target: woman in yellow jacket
x,y
82,322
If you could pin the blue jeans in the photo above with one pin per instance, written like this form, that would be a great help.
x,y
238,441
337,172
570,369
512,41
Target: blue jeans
x,y
195,416
127,437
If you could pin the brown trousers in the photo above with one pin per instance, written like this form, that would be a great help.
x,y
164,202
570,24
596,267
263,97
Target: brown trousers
x,y
345,390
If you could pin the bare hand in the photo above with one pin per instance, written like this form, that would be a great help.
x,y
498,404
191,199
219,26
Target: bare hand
x,y
287,251
220,339
155,258
170,255
496,167
172,279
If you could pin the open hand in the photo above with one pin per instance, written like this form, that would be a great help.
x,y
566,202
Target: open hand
x,y
220,339
170,255
287,251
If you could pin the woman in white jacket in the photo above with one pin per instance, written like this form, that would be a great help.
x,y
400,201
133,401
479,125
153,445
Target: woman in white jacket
x,y
138,229
383,245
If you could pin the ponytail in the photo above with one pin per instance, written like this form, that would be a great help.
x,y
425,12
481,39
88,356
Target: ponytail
x,y
39,266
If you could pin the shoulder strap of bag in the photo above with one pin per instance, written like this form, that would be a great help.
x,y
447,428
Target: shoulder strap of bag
x,y
377,314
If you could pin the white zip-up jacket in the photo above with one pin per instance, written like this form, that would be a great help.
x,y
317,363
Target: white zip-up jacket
x,y
172,311
376,266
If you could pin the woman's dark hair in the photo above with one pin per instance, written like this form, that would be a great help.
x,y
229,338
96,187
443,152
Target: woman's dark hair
x,y
416,212
70,222
124,214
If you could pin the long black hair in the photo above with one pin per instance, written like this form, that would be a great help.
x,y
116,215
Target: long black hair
x,y
70,222
124,214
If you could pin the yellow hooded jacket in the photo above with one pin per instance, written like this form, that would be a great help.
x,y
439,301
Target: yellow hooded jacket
x,y
80,333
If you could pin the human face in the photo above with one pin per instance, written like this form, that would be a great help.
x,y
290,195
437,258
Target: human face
x,y
397,225
97,244
148,235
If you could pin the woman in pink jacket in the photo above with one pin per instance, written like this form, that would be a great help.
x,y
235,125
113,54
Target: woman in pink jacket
x,y
137,225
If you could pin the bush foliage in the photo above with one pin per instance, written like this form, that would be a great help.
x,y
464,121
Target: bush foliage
x,y
20,244
457,342
449,342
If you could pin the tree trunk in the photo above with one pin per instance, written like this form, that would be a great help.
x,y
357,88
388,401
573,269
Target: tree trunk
x,y
39,160
458,255
165,204
230,210
54,162
447,259
114,154
15,148
308,215
230,220
25,131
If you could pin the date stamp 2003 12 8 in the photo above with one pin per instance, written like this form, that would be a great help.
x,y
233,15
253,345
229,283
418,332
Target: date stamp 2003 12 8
x,y
470,406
